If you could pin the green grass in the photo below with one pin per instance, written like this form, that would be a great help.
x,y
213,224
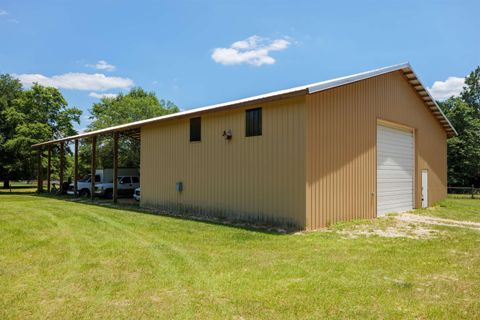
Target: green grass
x,y
455,208
61,260
23,190
19,187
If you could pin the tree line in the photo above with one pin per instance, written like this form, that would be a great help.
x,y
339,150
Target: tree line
x,y
37,114
464,150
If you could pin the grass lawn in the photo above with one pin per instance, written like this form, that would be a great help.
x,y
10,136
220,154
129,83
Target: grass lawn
x,y
455,208
19,187
62,259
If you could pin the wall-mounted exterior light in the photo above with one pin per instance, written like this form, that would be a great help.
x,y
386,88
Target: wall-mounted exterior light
x,y
227,134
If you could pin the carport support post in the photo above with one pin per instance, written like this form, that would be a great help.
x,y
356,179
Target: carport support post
x,y
93,167
62,165
115,167
39,171
49,167
75,170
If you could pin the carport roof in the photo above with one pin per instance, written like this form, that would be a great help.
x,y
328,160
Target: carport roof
x,y
406,69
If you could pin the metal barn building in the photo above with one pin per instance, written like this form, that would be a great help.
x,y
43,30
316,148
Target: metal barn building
x,y
354,147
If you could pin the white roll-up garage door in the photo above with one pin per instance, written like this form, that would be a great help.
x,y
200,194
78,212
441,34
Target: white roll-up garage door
x,y
395,168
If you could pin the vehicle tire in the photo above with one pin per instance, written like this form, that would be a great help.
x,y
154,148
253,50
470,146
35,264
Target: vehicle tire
x,y
109,193
84,193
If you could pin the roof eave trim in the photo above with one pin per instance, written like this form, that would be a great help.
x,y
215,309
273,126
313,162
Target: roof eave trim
x,y
356,77
289,93
374,73
436,104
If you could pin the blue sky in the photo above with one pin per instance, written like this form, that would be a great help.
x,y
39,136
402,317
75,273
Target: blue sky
x,y
199,53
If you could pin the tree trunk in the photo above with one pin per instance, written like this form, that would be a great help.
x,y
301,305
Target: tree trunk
x,y
6,184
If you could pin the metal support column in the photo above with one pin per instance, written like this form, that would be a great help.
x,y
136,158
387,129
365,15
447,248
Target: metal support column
x,y
49,168
62,167
39,171
93,167
75,169
115,167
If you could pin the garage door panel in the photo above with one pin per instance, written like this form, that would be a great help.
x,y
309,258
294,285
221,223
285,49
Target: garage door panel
x,y
400,203
398,192
392,174
395,182
401,172
404,199
391,164
401,200
397,140
394,209
395,170
399,151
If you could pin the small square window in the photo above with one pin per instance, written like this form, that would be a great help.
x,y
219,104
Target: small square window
x,y
195,129
253,122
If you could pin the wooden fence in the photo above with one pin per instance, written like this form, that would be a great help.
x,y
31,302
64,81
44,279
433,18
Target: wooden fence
x,y
464,192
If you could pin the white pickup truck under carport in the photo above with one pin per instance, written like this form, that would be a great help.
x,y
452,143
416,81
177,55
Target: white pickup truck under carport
x,y
126,186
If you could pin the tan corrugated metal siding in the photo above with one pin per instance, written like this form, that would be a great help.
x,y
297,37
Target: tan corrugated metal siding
x,y
341,147
261,178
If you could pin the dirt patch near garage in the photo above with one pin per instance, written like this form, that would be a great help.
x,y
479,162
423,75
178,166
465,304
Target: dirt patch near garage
x,y
421,219
390,228
406,225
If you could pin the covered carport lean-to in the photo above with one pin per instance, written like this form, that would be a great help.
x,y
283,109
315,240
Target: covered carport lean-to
x,y
117,133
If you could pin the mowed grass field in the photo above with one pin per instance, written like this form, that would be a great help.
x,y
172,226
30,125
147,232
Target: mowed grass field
x,y
19,187
61,260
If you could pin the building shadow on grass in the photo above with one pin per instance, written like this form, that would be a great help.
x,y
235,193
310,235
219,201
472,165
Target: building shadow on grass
x,y
129,204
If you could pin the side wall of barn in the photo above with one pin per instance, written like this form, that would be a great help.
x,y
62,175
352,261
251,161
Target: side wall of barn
x,y
255,178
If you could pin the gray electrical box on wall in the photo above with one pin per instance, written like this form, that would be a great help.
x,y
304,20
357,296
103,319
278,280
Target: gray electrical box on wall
x,y
179,186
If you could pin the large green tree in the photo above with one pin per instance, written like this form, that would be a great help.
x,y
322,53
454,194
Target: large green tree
x,y
464,149
28,117
471,92
135,105
10,93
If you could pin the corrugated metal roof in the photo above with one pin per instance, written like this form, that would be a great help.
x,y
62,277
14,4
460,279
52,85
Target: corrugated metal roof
x,y
297,91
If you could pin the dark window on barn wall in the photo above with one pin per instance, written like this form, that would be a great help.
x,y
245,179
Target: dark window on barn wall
x,y
253,122
195,129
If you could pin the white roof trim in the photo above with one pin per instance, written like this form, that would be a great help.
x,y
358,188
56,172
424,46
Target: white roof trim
x,y
434,101
310,88
324,85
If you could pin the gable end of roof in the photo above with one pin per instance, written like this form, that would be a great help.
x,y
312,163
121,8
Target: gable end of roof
x,y
411,78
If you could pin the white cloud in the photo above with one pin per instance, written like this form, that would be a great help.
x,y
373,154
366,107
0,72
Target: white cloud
x,y
102,65
3,12
254,50
102,95
77,81
442,90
